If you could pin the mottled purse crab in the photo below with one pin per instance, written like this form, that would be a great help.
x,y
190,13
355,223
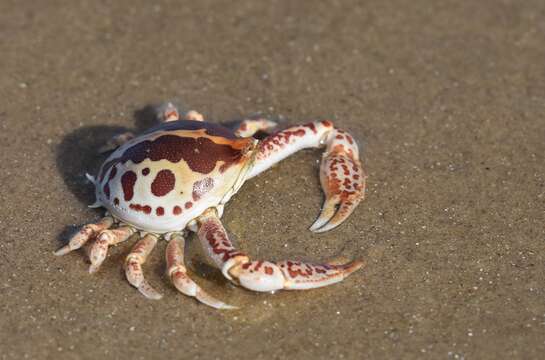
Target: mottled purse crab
x,y
180,174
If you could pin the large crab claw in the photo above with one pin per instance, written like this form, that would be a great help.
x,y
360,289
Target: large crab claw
x,y
265,275
341,172
287,275
343,183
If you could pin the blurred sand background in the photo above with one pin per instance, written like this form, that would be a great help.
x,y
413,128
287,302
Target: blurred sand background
x,y
447,99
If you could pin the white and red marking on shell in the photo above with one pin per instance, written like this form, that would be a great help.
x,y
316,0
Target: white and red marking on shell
x,y
162,180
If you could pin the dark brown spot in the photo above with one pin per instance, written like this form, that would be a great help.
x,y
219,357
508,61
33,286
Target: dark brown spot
x,y
113,173
311,126
327,123
201,187
127,182
188,204
280,138
145,171
116,201
160,211
111,176
163,183
137,207
106,190
177,210
201,154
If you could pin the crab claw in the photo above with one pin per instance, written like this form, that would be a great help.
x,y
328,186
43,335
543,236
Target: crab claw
x,y
343,182
289,275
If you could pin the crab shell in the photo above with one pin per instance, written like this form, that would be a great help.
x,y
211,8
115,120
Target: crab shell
x,y
162,180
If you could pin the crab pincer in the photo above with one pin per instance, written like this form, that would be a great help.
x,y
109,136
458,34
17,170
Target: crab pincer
x,y
286,275
341,172
265,275
343,181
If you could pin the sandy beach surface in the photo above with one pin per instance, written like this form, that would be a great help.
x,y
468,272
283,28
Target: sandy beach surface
x,y
446,98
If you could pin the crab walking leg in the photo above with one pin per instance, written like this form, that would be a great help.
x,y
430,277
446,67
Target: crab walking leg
x,y
85,234
265,275
341,173
249,127
178,274
133,266
169,112
193,115
104,239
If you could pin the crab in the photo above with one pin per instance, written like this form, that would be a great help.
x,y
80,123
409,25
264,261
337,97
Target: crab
x,y
178,176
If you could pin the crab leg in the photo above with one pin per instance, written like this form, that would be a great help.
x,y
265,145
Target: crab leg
x,y
193,115
249,127
133,266
168,112
341,173
178,274
105,238
265,275
86,233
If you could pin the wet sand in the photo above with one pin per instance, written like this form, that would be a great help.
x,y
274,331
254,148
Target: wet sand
x,y
447,100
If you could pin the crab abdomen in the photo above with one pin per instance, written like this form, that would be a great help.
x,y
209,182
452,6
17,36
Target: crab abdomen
x,y
160,181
